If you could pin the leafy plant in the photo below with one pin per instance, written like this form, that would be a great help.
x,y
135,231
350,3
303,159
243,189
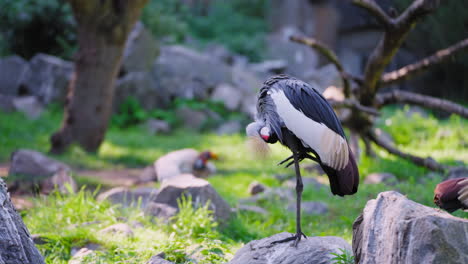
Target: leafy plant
x,y
345,257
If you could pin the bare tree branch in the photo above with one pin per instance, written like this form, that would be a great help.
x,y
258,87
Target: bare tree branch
x,y
411,70
330,55
398,96
428,162
351,103
375,9
391,41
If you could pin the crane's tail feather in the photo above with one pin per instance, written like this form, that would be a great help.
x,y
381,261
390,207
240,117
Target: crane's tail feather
x,y
346,180
258,146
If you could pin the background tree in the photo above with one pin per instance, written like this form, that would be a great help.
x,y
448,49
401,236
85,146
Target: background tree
x,y
362,92
103,27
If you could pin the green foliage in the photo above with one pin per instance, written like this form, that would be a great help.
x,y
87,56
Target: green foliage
x,y
238,24
29,27
345,257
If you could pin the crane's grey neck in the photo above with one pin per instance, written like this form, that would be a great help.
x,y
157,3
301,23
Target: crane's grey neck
x,y
252,129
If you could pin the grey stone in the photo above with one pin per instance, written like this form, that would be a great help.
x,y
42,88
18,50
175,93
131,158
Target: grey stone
x,y
12,71
219,52
16,245
148,175
228,128
6,103
34,164
120,228
155,126
229,95
309,182
158,260
160,210
47,78
457,172
142,87
255,188
315,250
29,106
127,197
252,208
192,119
249,105
246,81
82,256
394,229
381,177
61,181
141,50
270,66
188,74
310,208
77,251
285,195
200,190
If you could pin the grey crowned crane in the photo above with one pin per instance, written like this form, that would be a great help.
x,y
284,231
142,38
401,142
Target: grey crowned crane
x,y
452,194
295,114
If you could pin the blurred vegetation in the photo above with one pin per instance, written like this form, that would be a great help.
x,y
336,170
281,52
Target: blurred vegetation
x,y
445,27
73,220
47,26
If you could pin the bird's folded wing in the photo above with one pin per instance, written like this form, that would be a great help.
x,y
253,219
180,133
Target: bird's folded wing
x,y
463,192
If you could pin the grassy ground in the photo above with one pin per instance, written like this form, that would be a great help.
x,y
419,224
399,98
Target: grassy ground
x,y
194,234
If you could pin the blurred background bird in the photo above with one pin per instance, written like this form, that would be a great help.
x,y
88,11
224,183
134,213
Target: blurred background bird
x,y
300,118
452,194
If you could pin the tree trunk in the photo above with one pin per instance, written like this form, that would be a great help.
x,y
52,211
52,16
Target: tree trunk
x,y
16,244
103,27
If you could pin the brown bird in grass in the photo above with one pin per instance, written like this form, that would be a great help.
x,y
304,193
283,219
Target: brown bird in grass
x,y
452,195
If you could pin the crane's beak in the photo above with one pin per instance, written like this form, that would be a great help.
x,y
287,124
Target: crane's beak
x,y
258,146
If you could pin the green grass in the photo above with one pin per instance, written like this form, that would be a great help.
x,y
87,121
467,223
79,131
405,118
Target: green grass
x,y
194,234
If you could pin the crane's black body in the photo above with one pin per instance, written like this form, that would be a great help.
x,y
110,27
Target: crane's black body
x,y
314,106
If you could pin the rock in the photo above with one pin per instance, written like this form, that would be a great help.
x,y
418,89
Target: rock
x,y
6,103
82,256
381,177
270,66
301,60
160,210
249,105
47,78
228,128
12,71
307,181
127,197
29,168
310,208
61,180
148,175
229,95
158,260
393,229
285,195
29,106
175,163
141,50
252,208
246,81
188,74
220,52
120,228
16,245
142,87
315,250
200,190
75,251
155,126
457,172
256,187
192,119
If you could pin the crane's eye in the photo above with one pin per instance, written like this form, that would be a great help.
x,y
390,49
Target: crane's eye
x,y
265,133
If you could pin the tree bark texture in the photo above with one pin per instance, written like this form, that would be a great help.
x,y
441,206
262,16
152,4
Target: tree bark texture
x,y
16,244
103,28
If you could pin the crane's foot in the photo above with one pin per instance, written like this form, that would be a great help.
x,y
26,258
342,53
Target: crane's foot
x,y
296,237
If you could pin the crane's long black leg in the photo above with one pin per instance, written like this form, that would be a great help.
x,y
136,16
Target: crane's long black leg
x,y
299,187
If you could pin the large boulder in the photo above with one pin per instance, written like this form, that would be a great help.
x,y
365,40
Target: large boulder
x,y
229,95
315,250
127,197
30,169
12,70
16,244
394,229
188,74
141,50
47,78
200,191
